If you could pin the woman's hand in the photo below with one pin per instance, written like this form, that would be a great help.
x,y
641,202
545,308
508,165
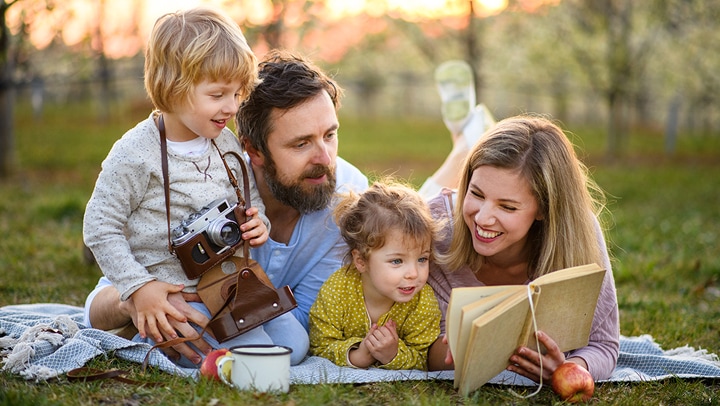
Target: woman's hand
x,y
448,355
439,356
526,362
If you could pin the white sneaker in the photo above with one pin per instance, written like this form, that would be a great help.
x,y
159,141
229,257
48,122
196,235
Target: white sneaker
x,y
480,121
456,86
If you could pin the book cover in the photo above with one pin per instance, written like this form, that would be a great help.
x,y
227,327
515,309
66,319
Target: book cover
x,y
483,333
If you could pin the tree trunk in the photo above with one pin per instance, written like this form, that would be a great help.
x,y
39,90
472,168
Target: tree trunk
x,y
7,99
7,144
560,97
612,135
103,68
617,125
621,71
474,52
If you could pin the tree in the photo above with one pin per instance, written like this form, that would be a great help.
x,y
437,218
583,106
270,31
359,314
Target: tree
x,y
615,68
692,28
608,72
460,37
52,17
7,95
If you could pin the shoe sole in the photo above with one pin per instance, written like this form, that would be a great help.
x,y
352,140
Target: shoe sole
x,y
455,83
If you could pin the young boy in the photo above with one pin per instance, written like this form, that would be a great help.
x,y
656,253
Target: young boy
x,y
198,67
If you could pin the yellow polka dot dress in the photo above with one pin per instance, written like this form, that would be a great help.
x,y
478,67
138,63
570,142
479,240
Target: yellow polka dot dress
x,y
339,322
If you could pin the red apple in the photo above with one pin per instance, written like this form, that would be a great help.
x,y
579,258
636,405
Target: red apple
x,y
208,368
573,383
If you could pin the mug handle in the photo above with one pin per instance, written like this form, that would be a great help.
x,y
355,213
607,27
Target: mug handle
x,y
220,362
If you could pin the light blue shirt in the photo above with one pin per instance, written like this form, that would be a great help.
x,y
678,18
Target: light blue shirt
x,y
315,250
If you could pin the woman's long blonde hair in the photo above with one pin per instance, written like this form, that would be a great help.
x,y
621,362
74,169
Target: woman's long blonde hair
x,y
569,201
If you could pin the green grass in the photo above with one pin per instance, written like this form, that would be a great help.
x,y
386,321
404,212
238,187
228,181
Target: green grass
x,y
664,238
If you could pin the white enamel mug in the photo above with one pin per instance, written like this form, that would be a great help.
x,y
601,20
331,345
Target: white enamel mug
x,y
259,368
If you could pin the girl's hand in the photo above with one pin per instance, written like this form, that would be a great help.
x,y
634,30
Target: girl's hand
x,y
254,229
382,342
526,362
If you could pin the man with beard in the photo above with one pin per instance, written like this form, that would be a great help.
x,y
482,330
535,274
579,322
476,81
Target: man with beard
x,y
289,129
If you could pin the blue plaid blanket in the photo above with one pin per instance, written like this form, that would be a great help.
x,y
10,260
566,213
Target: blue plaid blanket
x,y
42,341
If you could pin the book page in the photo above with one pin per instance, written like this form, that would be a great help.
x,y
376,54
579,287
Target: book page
x,y
468,314
568,273
484,333
459,298
493,340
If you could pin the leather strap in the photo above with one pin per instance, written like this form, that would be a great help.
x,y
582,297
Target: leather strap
x,y
166,181
85,374
248,286
227,324
245,202
169,343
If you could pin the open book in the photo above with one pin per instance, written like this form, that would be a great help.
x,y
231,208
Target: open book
x,y
484,325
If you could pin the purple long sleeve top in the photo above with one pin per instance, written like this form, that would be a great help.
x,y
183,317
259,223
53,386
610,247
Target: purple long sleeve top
x,y
600,354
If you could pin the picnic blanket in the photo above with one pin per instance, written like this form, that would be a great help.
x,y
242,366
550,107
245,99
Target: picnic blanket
x,y
43,341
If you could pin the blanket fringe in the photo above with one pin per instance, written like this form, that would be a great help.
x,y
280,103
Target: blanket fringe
x,y
691,353
18,360
38,373
20,351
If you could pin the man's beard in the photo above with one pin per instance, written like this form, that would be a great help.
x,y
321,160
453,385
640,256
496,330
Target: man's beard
x,y
305,199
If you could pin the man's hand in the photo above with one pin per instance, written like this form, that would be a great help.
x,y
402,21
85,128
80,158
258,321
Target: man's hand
x,y
152,309
180,302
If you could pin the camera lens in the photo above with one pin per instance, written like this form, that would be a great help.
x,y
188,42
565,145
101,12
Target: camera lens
x,y
224,232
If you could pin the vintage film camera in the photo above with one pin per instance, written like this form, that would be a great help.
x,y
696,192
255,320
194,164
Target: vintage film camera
x,y
207,237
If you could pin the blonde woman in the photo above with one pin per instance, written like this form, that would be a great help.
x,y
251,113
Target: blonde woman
x,y
525,207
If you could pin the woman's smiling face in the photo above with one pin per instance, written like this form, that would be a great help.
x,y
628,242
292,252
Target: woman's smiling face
x,y
499,209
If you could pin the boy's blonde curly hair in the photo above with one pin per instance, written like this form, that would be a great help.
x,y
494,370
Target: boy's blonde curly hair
x,y
187,47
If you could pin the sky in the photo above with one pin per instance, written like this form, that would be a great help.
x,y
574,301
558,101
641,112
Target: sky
x,y
125,24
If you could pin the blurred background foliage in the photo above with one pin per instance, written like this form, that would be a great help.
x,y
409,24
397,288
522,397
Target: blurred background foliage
x,y
619,65
634,81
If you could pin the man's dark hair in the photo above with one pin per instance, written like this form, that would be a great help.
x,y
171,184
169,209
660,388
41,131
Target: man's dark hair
x,y
287,80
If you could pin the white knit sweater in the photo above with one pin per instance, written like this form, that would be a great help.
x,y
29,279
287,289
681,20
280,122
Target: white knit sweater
x,y
125,224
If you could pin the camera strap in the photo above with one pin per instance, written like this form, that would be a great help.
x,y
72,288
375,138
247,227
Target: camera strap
x,y
243,201
166,181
